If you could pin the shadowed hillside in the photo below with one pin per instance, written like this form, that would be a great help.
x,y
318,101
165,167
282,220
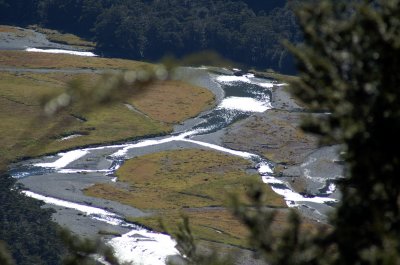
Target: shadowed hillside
x,y
248,32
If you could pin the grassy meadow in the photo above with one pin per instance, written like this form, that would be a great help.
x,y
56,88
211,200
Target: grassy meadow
x,y
193,182
26,131
21,59
65,38
51,35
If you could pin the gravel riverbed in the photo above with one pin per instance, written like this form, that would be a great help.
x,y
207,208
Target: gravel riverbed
x,y
273,134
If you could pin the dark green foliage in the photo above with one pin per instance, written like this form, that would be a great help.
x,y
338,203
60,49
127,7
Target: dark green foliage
x,y
293,246
15,11
249,34
72,16
5,256
150,31
26,228
349,66
264,5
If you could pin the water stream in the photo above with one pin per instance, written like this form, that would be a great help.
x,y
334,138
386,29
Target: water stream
x,y
238,97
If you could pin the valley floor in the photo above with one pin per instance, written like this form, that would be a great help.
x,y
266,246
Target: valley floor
x,y
27,78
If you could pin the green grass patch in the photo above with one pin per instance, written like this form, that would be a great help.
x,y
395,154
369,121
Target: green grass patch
x,y
24,59
219,225
11,29
65,38
173,101
26,131
192,181
216,225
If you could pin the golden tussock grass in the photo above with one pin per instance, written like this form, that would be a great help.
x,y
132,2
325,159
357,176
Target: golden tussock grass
x,y
191,181
61,61
26,131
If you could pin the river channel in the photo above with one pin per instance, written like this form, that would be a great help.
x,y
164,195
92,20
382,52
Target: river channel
x,y
58,180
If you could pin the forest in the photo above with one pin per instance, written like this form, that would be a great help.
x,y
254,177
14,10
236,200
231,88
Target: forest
x,y
247,32
26,227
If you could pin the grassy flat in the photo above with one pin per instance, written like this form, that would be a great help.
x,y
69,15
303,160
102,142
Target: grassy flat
x,y
159,101
195,182
10,29
25,131
64,38
51,35
212,225
23,59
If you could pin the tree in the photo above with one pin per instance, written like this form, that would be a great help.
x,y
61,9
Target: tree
x,y
22,218
18,11
348,68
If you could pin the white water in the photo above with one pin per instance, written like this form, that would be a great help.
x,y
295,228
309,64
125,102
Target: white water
x,y
65,159
139,246
144,247
249,78
143,143
96,213
155,247
73,171
58,51
264,169
244,104
70,137
221,149
291,196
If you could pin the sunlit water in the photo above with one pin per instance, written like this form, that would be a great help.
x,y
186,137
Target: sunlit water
x,y
243,96
60,51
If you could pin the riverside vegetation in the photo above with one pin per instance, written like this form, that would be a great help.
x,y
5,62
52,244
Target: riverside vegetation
x,y
22,94
348,67
193,182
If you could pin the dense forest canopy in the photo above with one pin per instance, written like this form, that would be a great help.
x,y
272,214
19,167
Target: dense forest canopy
x,y
26,227
245,31
264,5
